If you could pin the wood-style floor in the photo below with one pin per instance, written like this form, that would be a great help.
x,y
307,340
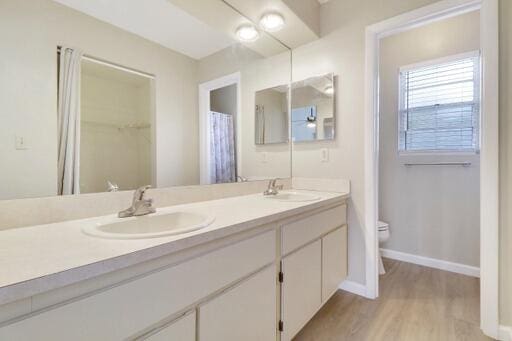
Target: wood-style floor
x,y
416,303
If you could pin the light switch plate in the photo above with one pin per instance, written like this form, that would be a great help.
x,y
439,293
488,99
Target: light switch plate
x,y
21,143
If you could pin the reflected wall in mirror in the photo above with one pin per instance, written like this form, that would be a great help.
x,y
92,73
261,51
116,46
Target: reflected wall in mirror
x,y
130,100
313,109
115,128
271,114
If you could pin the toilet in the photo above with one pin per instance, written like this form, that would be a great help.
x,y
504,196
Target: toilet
x,y
384,234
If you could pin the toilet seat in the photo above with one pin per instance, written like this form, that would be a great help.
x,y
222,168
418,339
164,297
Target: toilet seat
x,y
382,226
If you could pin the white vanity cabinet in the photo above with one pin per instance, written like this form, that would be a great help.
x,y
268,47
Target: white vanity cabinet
x,y
313,266
334,261
262,284
301,288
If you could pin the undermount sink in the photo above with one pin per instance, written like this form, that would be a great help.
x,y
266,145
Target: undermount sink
x,y
149,226
293,197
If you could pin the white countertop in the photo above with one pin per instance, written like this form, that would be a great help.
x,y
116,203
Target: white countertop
x,y
39,258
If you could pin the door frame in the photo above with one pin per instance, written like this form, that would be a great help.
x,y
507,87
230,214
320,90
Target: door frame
x,y
204,108
489,156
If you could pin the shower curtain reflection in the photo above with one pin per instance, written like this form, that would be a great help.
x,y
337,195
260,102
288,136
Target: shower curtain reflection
x,y
222,148
68,165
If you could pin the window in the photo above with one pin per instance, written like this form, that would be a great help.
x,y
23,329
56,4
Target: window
x,y
440,105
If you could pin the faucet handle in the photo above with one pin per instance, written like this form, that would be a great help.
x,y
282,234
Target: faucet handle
x,y
139,192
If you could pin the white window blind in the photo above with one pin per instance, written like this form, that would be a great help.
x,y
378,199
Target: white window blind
x,y
440,106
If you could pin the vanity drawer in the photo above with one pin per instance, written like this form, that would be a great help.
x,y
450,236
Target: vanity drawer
x,y
124,310
301,232
182,329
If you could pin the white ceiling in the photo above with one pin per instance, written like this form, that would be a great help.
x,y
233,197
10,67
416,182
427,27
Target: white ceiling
x,y
158,21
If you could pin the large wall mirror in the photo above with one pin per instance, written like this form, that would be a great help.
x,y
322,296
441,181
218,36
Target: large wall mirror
x,y
92,102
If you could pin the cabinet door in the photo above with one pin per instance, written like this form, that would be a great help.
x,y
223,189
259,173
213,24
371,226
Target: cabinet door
x,y
246,312
302,288
334,261
183,329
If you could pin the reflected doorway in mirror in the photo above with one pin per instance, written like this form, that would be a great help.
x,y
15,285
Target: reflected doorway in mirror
x,y
219,108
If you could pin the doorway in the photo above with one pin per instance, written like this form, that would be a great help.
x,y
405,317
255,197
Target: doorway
x,y
219,122
488,143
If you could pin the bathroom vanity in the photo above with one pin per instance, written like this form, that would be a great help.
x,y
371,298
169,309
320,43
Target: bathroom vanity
x,y
259,271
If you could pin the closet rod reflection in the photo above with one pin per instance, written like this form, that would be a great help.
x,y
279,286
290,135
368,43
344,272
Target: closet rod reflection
x,y
113,65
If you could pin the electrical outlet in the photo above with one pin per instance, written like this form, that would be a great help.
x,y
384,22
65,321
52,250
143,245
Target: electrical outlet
x,y
324,154
264,157
21,143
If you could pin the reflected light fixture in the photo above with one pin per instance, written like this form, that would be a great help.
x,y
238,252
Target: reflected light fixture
x,y
272,22
247,33
311,120
329,90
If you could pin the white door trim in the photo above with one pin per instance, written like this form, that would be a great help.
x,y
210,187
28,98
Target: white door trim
x,y
489,171
204,107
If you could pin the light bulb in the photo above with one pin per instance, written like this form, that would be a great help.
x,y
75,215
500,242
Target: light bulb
x,y
329,90
272,22
247,33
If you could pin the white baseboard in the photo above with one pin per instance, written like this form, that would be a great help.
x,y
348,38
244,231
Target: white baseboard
x,y
354,288
505,333
432,262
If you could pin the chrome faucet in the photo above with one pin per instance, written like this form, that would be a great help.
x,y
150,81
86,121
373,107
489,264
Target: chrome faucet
x,y
241,178
112,187
273,189
140,206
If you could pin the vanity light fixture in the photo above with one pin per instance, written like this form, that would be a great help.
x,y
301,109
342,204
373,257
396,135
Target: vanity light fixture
x,y
247,33
272,22
329,90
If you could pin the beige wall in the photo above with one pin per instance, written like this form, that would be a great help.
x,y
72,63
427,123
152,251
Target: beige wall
x,y
432,211
505,162
30,32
